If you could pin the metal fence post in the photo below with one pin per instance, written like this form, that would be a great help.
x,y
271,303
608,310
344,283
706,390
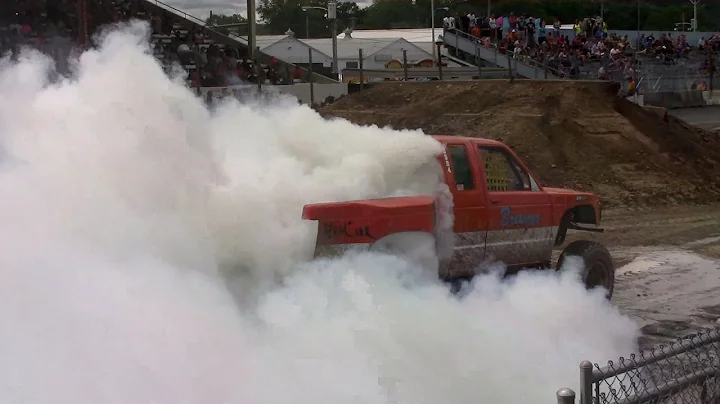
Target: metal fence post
x,y
258,74
586,370
198,73
360,65
510,75
439,61
310,74
565,396
405,72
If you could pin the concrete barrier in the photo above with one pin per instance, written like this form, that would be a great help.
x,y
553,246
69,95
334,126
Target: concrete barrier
x,y
711,97
321,91
301,91
676,99
638,99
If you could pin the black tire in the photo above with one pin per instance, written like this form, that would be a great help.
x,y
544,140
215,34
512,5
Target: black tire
x,y
598,270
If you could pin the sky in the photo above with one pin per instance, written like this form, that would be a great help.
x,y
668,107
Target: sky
x,y
202,8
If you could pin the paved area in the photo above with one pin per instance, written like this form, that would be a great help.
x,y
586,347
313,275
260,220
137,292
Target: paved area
x,y
706,118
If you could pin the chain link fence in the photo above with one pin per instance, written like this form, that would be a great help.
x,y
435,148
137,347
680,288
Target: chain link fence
x,y
689,82
684,372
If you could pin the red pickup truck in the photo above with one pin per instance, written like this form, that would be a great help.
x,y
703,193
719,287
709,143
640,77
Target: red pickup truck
x,y
501,213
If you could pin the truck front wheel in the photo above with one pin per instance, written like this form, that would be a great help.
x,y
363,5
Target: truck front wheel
x,y
598,268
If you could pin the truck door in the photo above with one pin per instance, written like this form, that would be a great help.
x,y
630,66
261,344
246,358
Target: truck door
x,y
520,228
470,209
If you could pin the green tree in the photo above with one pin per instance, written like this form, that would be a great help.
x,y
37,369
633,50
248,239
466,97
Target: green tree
x,y
281,15
389,14
222,19
619,14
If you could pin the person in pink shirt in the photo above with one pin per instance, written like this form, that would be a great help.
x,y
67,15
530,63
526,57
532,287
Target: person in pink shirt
x,y
513,21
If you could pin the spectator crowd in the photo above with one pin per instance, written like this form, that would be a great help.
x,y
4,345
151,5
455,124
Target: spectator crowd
x,y
591,51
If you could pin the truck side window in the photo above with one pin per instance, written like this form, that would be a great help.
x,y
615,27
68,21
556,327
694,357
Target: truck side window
x,y
502,172
461,165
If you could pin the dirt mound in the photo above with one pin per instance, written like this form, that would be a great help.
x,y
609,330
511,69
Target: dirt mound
x,y
572,134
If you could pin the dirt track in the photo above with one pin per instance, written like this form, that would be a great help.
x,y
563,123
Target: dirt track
x,y
677,226
654,171
668,260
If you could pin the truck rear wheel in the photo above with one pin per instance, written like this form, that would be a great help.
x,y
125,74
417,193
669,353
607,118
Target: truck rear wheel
x,y
415,247
598,268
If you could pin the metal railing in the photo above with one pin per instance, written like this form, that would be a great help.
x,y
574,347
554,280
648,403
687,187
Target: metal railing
x,y
462,41
196,20
683,372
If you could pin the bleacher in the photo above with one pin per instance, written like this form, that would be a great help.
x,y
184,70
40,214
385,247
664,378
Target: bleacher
x,y
273,68
211,58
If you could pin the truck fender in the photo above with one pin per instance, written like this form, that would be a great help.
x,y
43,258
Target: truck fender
x,y
584,214
415,246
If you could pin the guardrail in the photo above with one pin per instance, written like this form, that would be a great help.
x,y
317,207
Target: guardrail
x,y
446,73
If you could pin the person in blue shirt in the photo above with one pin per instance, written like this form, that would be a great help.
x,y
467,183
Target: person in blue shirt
x,y
541,31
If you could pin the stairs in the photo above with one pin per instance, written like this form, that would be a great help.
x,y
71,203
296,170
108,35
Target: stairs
x,y
464,43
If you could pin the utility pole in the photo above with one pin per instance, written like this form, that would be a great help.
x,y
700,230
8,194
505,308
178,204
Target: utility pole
x,y
332,16
432,24
488,10
637,39
252,29
695,20
602,10
432,16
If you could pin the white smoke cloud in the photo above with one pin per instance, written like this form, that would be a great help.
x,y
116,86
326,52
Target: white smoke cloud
x,y
124,199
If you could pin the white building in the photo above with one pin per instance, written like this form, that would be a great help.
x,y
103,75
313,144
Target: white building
x,y
420,37
380,48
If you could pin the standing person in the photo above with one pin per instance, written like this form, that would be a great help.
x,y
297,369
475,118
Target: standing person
x,y
530,33
472,20
448,23
542,32
465,24
503,24
492,22
556,27
521,26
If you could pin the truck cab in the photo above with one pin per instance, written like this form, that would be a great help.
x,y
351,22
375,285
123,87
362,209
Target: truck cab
x,y
501,214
